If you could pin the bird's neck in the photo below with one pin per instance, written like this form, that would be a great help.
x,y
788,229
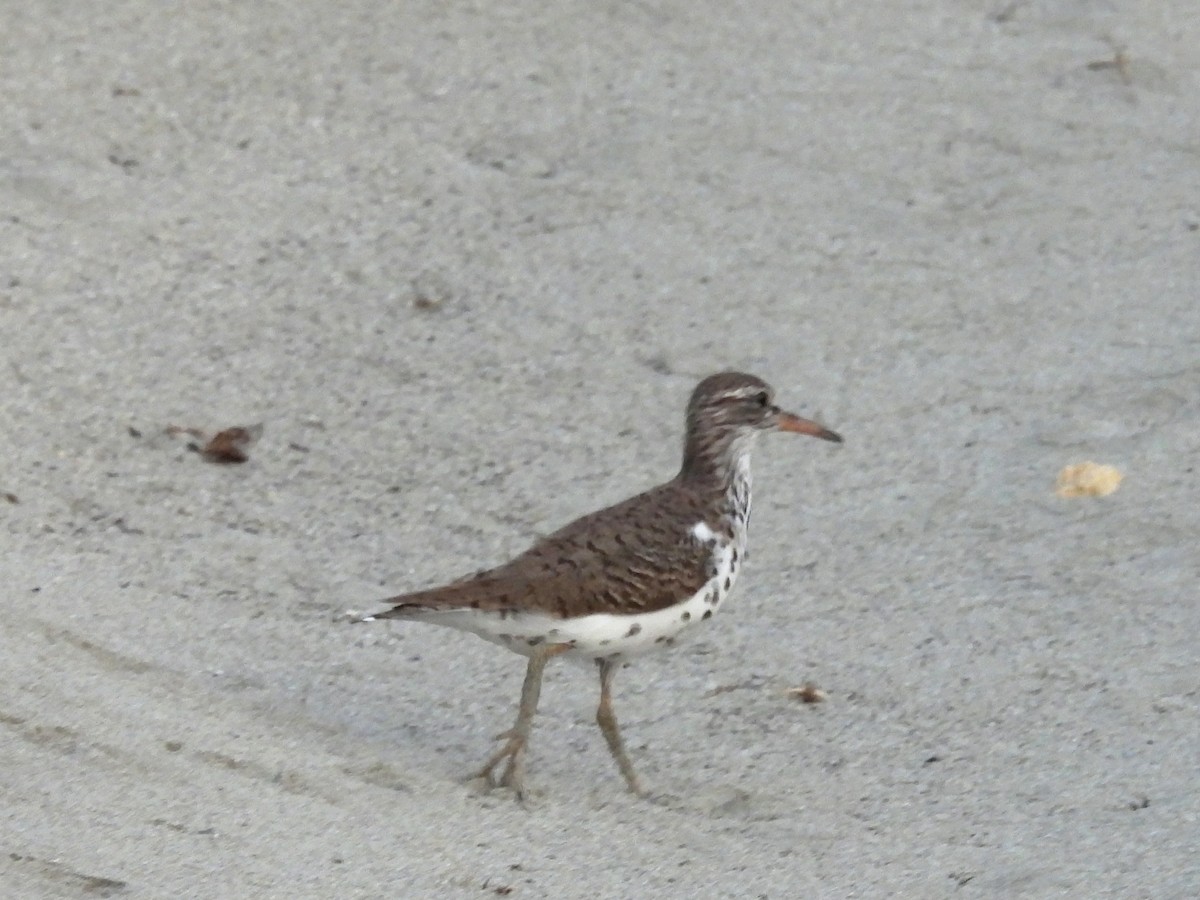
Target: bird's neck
x,y
720,469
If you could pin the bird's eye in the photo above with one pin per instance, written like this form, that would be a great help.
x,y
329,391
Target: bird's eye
x,y
762,399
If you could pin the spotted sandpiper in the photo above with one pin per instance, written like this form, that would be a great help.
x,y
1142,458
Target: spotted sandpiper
x,y
626,579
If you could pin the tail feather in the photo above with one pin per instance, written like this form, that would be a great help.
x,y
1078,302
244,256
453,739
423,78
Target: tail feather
x,y
458,595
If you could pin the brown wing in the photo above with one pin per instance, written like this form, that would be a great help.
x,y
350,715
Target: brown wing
x,y
637,556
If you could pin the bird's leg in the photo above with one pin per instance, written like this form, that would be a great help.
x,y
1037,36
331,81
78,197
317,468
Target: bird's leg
x,y
607,720
518,738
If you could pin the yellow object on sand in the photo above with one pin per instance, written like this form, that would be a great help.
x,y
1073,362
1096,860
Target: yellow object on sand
x,y
1088,479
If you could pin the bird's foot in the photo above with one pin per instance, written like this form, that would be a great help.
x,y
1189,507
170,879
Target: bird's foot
x,y
638,789
514,772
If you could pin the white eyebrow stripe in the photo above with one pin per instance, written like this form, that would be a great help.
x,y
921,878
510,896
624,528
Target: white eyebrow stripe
x,y
741,393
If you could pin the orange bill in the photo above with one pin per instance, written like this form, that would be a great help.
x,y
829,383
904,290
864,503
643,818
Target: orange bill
x,y
789,422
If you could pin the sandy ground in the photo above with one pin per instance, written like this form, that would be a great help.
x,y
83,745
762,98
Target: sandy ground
x,y
465,262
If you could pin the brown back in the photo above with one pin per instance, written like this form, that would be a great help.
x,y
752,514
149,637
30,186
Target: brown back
x,y
637,556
